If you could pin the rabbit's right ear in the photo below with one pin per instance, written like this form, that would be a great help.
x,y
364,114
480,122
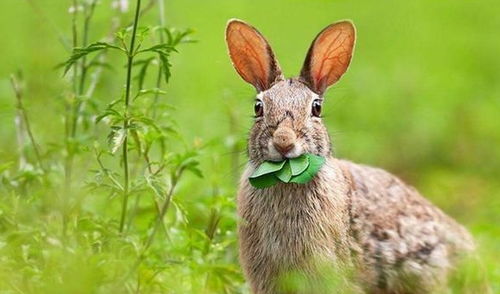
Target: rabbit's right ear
x,y
251,55
329,56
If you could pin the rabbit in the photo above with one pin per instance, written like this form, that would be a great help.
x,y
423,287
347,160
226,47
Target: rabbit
x,y
383,234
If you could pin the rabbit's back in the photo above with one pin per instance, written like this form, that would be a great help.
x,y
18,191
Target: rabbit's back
x,y
404,240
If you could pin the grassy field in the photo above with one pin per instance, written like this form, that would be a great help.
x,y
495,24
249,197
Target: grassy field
x,y
421,99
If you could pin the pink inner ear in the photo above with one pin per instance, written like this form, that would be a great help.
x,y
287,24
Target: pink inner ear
x,y
250,61
250,54
331,55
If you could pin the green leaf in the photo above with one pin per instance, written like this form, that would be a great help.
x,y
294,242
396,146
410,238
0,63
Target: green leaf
x,y
267,167
155,91
297,170
165,65
122,34
142,33
264,181
109,113
315,160
164,47
284,174
116,138
193,166
315,163
299,164
100,64
79,53
175,37
144,65
157,186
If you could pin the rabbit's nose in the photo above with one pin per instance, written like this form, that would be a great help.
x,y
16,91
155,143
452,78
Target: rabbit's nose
x,y
284,140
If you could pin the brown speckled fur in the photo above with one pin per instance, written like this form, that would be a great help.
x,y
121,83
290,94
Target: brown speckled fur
x,y
348,215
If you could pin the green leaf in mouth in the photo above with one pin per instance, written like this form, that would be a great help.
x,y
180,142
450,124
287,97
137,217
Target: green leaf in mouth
x,y
298,170
264,181
268,167
299,164
315,163
285,174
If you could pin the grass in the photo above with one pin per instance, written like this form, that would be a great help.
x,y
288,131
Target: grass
x,y
420,99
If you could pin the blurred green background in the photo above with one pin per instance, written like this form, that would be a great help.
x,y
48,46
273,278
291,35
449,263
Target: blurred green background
x,y
421,99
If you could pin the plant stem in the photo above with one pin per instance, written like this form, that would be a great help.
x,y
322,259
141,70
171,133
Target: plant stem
x,y
68,162
159,221
161,22
73,109
130,62
163,211
83,70
23,117
136,204
161,13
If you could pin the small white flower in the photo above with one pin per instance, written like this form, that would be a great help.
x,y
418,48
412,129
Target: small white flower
x,y
121,5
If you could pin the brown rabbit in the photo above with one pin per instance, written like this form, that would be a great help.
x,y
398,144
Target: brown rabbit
x,y
349,215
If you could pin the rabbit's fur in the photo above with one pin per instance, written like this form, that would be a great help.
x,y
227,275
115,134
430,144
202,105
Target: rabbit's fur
x,y
349,215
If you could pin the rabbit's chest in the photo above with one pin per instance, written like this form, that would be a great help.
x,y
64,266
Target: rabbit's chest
x,y
291,224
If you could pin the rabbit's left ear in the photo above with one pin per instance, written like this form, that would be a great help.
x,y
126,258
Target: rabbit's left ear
x,y
329,56
251,55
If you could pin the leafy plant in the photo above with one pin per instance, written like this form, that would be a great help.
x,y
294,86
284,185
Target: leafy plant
x,y
147,243
126,121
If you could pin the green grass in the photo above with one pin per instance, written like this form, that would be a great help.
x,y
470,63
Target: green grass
x,y
421,99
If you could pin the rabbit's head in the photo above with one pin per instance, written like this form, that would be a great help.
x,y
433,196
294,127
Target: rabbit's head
x,y
288,111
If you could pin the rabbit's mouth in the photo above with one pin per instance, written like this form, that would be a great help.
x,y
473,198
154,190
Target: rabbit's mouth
x,y
274,154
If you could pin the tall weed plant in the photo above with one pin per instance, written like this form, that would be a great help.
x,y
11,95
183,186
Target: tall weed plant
x,y
121,230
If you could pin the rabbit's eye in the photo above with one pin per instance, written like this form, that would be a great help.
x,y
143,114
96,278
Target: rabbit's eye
x,y
316,108
258,108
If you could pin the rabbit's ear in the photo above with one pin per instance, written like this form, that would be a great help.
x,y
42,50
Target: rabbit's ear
x,y
251,55
329,56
